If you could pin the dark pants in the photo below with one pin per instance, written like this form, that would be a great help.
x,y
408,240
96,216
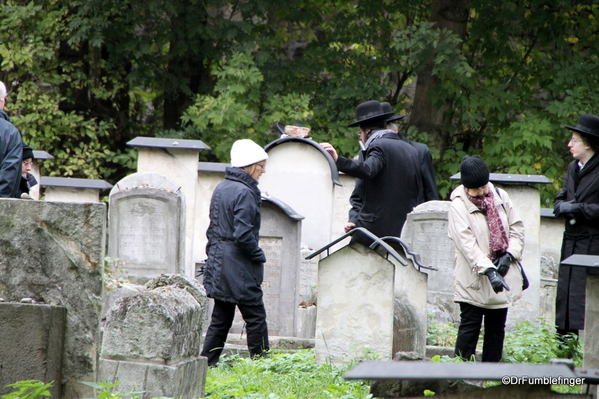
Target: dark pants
x,y
223,314
470,324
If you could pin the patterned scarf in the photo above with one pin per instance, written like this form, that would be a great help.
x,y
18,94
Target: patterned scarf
x,y
497,237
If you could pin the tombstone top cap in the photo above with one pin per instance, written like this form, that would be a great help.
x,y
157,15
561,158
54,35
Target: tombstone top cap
x,y
41,155
168,143
212,167
547,213
512,178
283,206
74,183
332,164
582,260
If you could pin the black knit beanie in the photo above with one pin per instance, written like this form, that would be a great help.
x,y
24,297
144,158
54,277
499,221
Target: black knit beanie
x,y
474,172
27,152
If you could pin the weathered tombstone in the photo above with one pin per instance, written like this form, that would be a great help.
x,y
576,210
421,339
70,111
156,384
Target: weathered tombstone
x,y
280,239
526,200
302,174
27,326
425,231
369,303
176,159
66,189
53,252
147,226
551,231
152,340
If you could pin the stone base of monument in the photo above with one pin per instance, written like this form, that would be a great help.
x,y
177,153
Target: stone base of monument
x,y
237,344
153,337
185,379
31,337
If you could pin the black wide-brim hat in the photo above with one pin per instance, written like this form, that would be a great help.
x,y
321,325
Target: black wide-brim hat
x,y
387,108
586,124
369,111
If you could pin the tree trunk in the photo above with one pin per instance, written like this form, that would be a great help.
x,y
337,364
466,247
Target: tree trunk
x,y
451,15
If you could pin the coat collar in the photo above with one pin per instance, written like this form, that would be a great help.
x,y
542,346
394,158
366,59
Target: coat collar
x,y
460,192
3,115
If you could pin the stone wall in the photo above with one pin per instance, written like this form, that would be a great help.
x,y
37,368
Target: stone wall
x,y
53,253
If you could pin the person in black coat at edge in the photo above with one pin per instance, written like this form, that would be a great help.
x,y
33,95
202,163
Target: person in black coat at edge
x,y
578,203
235,263
429,185
390,172
28,180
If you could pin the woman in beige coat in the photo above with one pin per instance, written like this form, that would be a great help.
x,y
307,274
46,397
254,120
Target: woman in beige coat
x,y
489,237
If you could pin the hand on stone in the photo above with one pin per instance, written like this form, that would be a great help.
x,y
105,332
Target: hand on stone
x,y
331,150
349,226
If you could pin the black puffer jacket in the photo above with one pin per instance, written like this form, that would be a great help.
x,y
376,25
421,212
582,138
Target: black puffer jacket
x,y
235,266
11,153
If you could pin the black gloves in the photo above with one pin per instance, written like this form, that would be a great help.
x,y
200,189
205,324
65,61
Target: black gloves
x,y
566,209
503,263
496,281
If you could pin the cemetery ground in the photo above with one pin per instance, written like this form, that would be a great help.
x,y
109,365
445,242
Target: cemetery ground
x,y
296,374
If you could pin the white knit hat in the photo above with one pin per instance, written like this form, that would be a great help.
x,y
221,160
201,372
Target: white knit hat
x,y
245,152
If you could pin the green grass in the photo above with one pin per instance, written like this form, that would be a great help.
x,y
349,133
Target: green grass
x,y
281,376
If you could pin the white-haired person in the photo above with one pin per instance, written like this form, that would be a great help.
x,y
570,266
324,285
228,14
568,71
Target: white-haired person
x,y
11,151
235,262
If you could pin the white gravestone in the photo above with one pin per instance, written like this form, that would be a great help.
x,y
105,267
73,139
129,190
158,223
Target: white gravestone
x,y
300,173
355,305
147,225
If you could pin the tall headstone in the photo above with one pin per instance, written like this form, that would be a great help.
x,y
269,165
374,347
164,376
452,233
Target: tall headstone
x,y
552,230
425,225
147,226
53,253
300,173
176,159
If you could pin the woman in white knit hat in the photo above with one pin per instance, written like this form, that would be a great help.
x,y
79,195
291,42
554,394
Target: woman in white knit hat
x,y
235,266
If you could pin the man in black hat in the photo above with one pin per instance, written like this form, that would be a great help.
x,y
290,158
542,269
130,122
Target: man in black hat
x,y
389,170
10,152
578,203
429,185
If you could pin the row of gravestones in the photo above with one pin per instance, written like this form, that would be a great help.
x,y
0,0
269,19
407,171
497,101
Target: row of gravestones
x,y
310,204
148,229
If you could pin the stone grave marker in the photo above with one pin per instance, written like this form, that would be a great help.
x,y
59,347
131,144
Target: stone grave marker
x,y
300,173
371,301
53,253
425,231
147,226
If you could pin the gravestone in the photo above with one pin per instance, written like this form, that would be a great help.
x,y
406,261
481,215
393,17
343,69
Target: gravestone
x,y
280,232
53,253
147,226
425,231
369,303
177,159
26,326
152,340
552,230
301,174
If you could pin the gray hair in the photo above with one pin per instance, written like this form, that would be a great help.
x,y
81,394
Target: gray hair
x,y
3,91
